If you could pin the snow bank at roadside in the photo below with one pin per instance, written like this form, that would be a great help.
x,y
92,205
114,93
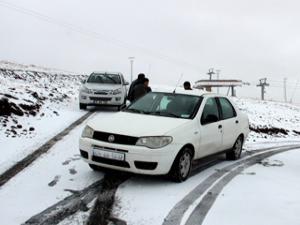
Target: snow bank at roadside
x,y
35,105
27,93
270,121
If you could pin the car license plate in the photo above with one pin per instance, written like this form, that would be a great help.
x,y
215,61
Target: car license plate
x,y
100,102
109,155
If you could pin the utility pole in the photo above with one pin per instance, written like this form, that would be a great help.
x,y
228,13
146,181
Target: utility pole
x,y
131,59
284,89
263,84
218,77
210,73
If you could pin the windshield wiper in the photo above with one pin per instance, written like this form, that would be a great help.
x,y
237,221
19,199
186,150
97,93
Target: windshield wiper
x,y
135,111
169,114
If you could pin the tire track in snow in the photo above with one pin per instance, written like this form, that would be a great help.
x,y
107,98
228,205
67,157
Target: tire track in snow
x,y
190,211
103,191
78,201
25,162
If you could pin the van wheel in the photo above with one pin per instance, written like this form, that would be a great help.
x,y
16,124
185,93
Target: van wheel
x,y
181,167
82,106
236,151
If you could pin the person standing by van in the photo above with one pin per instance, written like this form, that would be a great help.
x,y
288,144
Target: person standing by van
x,y
139,80
140,89
148,88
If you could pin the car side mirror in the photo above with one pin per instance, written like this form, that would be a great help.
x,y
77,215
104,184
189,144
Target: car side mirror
x,y
126,83
210,118
83,81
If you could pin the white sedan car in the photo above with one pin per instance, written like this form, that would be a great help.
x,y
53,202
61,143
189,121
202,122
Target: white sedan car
x,y
162,133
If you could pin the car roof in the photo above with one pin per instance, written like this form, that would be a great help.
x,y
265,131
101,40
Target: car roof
x,y
107,72
194,92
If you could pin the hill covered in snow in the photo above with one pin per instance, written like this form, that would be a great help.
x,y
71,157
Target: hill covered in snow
x,y
31,93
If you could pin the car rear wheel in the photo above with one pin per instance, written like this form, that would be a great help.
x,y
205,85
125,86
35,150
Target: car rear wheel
x,y
236,151
82,106
182,166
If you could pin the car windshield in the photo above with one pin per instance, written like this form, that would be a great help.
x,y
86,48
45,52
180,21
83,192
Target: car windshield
x,y
167,104
101,78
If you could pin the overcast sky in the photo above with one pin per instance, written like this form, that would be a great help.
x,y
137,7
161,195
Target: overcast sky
x,y
246,40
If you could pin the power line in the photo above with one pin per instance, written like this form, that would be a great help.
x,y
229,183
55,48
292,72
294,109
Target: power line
x,y
97,35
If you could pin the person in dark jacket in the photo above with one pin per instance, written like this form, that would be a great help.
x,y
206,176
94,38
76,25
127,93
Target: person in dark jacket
x,y
140,90
148,88
187,85
139,80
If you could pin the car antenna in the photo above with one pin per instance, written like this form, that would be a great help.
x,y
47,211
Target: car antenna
x,y
178,83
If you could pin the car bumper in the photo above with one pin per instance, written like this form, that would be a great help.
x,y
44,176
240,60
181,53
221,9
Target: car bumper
x,y
91,99
138,159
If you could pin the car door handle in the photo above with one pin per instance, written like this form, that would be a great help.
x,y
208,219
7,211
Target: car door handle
x,y
236,121
220,126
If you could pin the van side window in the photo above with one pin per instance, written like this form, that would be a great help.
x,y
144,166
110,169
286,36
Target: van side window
x,y
210,112
227,109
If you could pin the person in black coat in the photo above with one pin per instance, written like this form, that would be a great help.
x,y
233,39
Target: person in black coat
x,y
140,90
148,88
139,80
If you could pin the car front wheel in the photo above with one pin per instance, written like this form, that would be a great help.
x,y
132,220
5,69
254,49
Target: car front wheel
x,y
182,166
235,152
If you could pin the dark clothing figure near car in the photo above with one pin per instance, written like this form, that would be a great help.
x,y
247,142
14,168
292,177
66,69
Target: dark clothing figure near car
x,y
148,88
139,80
141,89
187,85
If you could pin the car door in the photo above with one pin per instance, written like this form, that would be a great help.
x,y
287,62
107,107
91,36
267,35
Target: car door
x,y
210,128
229,122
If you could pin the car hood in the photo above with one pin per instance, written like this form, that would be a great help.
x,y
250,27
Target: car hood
x,y
108,87
133,124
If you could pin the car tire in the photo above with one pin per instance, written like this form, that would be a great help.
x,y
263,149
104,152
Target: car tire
x,y
82,106
94,167
235,152
181,167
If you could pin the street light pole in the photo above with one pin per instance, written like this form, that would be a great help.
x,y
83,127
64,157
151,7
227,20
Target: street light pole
x,y
131,58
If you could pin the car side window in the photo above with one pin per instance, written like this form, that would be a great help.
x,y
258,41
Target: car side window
x,y
210,112
228,110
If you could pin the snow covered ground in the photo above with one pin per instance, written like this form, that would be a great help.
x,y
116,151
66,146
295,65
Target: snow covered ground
x,y
270,186
35,104
266,193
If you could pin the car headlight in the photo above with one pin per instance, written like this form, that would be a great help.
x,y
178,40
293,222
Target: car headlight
x,y
86,90
87,132
154,142
117,91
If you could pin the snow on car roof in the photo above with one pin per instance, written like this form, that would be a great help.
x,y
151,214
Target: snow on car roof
x,y
107,72
180,90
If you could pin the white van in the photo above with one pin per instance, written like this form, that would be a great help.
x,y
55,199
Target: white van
x,y
103,89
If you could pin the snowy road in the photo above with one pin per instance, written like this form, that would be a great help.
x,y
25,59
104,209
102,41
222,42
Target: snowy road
x,y
50,179
59,188
189,202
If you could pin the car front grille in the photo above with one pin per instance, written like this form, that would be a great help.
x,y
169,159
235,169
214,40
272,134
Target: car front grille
x,y
100,99
101,93
114,138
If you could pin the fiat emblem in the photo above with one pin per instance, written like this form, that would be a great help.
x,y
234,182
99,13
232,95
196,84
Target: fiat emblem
x,y
111,138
